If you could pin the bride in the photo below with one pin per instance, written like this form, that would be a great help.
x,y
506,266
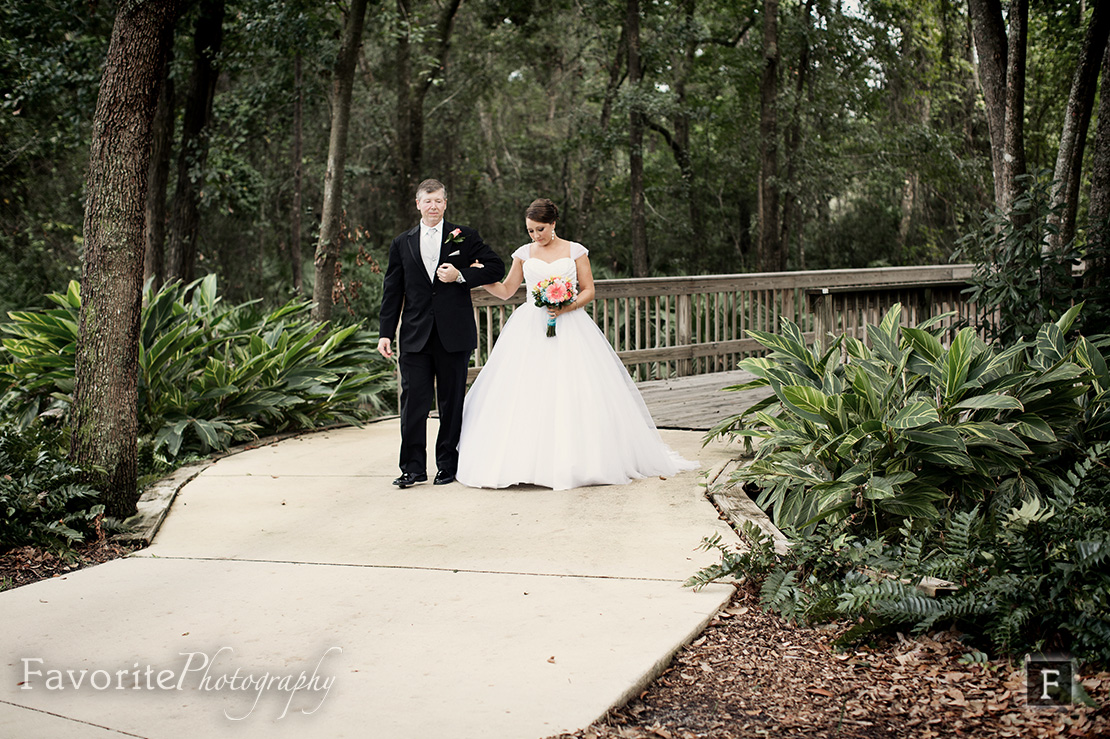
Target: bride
x,y
557,411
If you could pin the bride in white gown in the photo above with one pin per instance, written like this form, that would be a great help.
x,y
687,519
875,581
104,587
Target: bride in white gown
x,y
562,411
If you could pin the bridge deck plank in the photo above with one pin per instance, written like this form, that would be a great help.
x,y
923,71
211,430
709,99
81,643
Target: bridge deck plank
x,y
697,402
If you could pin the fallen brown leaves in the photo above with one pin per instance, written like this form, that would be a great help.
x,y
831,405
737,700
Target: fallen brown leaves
x,y
25,565
750,674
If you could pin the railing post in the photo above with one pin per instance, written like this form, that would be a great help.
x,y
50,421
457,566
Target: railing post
x,y
685,332
822,316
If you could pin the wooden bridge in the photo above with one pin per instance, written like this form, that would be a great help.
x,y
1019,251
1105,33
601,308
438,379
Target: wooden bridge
x,y
681,337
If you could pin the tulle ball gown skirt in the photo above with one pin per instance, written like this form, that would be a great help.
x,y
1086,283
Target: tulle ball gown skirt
x,y
559,412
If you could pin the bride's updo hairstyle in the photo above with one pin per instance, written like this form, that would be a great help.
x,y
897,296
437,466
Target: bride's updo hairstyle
x,y
542,210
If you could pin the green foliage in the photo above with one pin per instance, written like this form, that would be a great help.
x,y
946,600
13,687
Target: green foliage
x,y
1037,580
1013,273
42,499
209,374
1095,292
908,429
51,56
873,96
757,557
807,582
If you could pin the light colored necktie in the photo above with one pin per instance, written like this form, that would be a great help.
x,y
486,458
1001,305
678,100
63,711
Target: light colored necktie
x,y
431,252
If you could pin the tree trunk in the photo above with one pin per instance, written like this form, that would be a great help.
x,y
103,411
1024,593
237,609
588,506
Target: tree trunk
x,y
679,140
742,236
105,396
791,213
410,107
772,257
327,247
989,33
636,146
193,152
1098,211
909,204
1013,144
1077,119
593,171
969,96
298,176
406,177
154,268
683,155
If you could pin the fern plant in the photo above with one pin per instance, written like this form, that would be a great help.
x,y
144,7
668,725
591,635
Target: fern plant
x,y
42,499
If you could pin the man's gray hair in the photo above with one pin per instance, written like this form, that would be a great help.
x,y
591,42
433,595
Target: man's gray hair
x,y
430,186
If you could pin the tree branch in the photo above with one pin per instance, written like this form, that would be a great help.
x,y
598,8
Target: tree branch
x,y
443,33
732,42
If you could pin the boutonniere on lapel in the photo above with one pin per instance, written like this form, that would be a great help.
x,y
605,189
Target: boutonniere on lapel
x,y
455,236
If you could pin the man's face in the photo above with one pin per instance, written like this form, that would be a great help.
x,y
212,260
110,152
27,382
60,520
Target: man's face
x,y
431,206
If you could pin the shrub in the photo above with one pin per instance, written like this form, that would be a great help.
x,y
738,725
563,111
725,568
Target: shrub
x,y
42,500
1013,272
1038,580
908,430
889,463
209,374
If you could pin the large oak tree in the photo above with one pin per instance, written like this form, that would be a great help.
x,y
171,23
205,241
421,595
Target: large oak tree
x,y
105,405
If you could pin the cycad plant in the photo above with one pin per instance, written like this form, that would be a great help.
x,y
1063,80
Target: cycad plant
x,y
209,374
906,428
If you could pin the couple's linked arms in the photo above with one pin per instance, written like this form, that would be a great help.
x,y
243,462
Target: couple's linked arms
x,y
507,289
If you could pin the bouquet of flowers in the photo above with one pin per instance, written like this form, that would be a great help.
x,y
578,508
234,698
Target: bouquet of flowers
x,y
553,292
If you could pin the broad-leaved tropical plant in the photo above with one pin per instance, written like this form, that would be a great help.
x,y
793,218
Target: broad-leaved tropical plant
x,y
904,427
209,374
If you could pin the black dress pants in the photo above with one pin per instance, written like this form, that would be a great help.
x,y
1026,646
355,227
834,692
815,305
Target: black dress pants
x,y
432,369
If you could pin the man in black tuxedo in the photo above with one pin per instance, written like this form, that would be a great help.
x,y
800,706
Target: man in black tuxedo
x,y
427,287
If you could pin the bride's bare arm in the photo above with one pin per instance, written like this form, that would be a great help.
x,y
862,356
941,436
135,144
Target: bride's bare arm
x,y
507,289
585,286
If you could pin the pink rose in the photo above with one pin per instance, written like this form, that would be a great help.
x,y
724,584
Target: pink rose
x,y
456,232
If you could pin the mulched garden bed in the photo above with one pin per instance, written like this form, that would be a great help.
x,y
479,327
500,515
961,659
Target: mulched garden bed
x,y
25,565
751,674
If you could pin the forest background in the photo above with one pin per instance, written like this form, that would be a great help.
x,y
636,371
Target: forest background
x,y
251,159
881,150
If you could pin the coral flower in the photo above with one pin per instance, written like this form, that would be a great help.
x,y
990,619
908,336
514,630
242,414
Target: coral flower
x,y
556,293
553,292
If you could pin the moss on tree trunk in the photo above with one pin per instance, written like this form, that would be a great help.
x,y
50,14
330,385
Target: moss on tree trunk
x,y
105,394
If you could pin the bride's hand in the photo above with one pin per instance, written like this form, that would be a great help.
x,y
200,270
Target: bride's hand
x,y
556,312
488,288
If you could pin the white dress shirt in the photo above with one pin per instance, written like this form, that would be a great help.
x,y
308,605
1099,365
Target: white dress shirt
x,y
430,240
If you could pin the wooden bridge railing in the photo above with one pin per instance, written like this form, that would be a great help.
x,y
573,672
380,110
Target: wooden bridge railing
x,y
667,326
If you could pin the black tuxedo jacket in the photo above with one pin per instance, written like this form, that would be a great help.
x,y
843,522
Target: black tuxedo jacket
x,y
419,303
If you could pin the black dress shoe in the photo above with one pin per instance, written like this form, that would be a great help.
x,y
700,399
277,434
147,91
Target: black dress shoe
x,y
410,478
442,478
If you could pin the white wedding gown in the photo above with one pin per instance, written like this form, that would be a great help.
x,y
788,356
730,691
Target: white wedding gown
x,y
560,412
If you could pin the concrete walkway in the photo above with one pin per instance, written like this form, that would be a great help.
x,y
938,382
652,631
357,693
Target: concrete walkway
x,y
293,592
